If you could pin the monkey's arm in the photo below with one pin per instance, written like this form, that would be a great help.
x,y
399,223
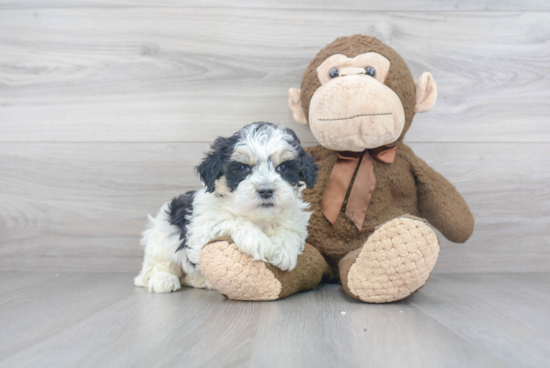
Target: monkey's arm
x,y
439,201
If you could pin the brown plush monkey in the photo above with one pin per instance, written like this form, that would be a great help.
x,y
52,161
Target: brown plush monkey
x,y
374,200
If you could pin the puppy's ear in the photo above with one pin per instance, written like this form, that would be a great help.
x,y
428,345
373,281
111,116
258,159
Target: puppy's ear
x,y
212,165
309,169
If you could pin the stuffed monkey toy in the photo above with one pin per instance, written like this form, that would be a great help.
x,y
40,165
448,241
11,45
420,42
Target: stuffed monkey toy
x,y
375,202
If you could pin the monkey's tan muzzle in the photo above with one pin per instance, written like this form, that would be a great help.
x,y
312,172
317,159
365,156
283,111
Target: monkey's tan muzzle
x,y
354,113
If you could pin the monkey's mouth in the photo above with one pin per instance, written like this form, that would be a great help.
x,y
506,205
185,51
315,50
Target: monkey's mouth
x,y
356,116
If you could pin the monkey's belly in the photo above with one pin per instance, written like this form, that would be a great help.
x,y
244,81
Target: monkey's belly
x,y
395,195
334,242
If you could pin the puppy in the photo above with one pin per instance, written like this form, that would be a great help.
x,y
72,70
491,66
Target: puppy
x,y
253,184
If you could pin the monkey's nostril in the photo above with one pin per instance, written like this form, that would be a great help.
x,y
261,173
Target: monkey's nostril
x,y
265,193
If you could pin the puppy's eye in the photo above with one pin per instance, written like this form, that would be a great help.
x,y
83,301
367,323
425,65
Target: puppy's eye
x,y
244,168
333,73
369,70
282,168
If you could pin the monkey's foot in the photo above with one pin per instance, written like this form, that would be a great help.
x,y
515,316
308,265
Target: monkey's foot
x,y
236,275
394,263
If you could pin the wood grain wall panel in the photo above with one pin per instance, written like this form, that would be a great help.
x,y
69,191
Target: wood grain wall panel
x,y
189,74
370,5
106,106
81,206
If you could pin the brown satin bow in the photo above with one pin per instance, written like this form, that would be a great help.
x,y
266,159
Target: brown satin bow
x,y
363,186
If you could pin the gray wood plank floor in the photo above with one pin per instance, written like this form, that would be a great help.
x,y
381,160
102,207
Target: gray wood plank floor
x,y
86,319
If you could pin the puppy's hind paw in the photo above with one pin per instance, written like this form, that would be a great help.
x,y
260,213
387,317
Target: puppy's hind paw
x,y
197,281
163,282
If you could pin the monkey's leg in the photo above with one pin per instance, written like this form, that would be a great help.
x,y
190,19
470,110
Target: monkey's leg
x,y
394,263
236,275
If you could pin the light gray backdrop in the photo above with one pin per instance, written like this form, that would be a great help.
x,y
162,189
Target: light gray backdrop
x,y
106,107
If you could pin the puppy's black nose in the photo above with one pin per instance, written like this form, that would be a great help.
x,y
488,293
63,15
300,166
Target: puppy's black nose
x,y
265,193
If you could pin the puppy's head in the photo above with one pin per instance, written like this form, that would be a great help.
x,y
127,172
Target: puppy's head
x,y
261,168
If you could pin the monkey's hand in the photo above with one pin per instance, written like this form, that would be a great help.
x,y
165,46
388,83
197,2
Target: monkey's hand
x,y
439,201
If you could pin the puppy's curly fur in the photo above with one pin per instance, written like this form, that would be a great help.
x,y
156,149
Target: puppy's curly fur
x,y
253,184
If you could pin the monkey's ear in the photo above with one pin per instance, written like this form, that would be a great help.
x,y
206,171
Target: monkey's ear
x,y
426,93
295,104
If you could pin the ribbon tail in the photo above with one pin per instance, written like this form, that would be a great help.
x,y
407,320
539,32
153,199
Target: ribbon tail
x,y
330,214
337,186
361,192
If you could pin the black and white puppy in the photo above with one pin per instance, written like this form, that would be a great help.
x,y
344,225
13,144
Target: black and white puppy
x,y
253,183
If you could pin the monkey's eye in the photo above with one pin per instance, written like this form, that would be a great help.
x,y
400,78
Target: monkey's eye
x,y
244,168
282,168
369,70
333,73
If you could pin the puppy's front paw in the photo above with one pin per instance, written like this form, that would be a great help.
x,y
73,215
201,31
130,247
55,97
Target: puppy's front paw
x,y
283,259
163,282
254,242
275,251
283,256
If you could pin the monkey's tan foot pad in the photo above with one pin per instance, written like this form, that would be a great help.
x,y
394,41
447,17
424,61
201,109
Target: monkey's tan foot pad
x,y
236,275
394,263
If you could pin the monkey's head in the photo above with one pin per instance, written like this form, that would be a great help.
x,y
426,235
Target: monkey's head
x,y
358,93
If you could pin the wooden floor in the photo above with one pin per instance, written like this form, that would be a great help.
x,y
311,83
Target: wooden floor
x,y
86,319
